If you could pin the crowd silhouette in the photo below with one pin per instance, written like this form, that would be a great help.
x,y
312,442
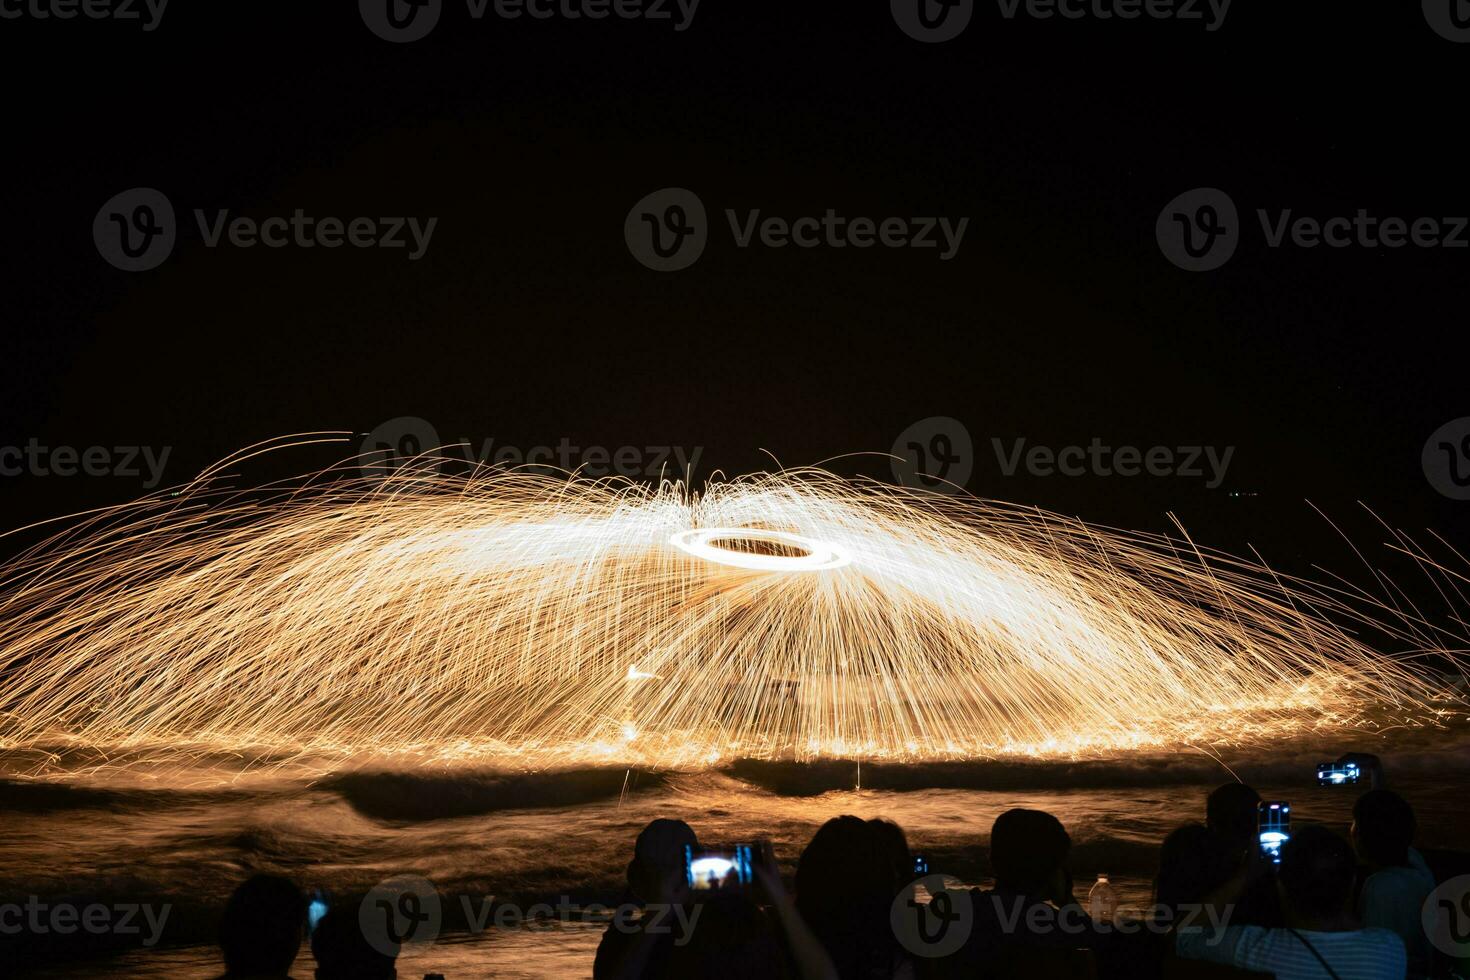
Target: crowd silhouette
x,y
1334,907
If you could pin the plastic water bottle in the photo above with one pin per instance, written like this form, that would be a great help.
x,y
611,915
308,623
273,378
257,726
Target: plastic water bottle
x,y
1102,901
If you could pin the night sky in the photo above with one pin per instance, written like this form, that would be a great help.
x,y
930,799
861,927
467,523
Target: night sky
x,y
527,320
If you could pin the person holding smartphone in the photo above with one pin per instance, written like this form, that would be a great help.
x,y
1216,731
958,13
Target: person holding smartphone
x,y
1031,923
846,881
1321,938
636,943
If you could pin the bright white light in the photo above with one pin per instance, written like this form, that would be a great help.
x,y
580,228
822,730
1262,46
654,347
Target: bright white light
x,y
705,869
818,554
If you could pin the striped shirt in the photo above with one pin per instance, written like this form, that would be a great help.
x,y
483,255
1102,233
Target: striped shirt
x,y
1361,954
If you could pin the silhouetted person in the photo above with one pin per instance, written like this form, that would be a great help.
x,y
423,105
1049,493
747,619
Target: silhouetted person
x,y
261,931
896,846
1398,881
845,887
1321,937
1190,867
1031,923
734,940
1231,813
343,953
637,942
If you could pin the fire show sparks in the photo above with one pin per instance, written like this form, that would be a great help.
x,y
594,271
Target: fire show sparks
x,y
536,621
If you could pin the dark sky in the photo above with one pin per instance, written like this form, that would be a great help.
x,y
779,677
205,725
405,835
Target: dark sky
x,y
528,321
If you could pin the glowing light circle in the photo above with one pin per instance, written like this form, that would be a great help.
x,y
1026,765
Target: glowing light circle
x,y
819,555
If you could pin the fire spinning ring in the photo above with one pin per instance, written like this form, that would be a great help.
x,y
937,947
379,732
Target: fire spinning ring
x,y
760,549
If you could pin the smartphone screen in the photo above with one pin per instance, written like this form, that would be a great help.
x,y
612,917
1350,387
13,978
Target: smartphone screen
x,y
921,865
1275,829
315,912
716,869
1338,774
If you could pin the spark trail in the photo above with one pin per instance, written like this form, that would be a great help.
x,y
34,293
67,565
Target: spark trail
x,y
540,622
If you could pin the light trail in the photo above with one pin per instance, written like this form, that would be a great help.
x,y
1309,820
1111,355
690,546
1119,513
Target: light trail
x,y
525,620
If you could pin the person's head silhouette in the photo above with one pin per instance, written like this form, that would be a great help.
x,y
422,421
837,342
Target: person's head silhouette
x,y
1028,853
895,845
845,886
656,873
260,933
1383,829
1230,813
343,953
1189,866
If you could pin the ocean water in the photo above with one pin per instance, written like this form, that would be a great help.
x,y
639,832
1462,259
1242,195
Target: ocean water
x,y
564,838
